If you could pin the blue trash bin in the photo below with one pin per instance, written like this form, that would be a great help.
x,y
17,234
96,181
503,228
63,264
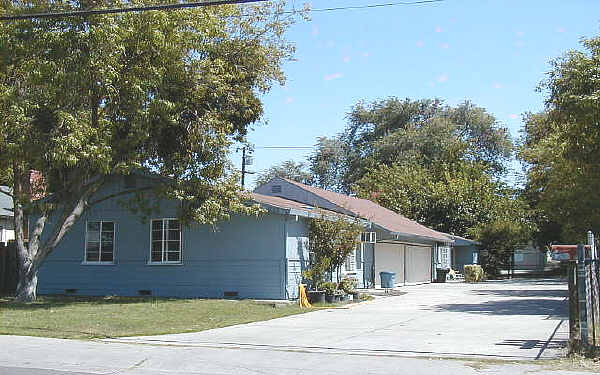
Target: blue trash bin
x,y
388,279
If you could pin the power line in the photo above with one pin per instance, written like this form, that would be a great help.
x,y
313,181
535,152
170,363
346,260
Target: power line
x,y
125,10
284,147
197,5
424,2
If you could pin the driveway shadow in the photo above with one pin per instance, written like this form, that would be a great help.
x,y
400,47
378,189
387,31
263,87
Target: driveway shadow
x,y
555,309
534,344
548,293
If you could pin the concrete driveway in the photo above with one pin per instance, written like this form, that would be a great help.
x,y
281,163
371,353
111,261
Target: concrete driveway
x,y
512,319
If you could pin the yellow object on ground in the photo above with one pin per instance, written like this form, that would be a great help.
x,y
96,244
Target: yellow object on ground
x,y
303,296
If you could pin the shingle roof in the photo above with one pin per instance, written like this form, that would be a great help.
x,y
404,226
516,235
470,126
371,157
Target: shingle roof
x,y
6,203
379,215
279,202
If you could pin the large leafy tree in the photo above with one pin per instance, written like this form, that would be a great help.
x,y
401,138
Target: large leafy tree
x,y
424,132
85,98
295,171
561,148
453,199
328,163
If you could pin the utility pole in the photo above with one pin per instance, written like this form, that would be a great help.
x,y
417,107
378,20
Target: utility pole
x,y
246,160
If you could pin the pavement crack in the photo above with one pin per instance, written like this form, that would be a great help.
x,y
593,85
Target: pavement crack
x,y
132,367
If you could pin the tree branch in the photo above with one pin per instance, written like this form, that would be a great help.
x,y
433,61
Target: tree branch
x,y
124,192
69,218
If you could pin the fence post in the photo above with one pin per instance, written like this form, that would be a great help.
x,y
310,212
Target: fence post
x,y
574,334
3,267
582,282
595,292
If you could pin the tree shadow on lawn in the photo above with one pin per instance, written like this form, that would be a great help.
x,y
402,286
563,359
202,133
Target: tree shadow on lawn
x,y
555,309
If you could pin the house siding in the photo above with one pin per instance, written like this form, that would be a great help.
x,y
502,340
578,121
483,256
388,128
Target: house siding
x,y
244,255
296,253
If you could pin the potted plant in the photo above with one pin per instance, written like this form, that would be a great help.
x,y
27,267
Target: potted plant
x,y
314,276
330,289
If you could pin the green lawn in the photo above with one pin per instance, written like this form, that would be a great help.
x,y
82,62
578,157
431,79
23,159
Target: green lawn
x,y
88,317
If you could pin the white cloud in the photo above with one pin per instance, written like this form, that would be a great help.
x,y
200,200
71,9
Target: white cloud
x,y
445,45
443,78
561,30
346,59
289,100
439,29
514,116
420,43
366,54
330,77
497,85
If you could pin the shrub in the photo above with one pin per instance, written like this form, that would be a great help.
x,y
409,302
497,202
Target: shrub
x,y
474,273
329,287
348,284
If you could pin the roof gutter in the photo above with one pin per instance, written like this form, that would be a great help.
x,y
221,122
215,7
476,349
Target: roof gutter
x,y
416,236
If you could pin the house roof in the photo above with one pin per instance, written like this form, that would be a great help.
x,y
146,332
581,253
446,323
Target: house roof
x,y
6,203
381,216
279,202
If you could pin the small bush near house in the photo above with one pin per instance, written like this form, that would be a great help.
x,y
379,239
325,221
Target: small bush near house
x,y
474,273
348,285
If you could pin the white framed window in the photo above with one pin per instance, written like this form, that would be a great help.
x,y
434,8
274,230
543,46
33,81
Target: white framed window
x,y
350,264
444,256
100,242
369,237
165,241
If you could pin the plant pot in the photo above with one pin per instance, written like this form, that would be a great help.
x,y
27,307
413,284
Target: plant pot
x,y
330,298
339,297
356,296
316,296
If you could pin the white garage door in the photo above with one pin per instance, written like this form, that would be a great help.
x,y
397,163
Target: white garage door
x,y
418,264
389,258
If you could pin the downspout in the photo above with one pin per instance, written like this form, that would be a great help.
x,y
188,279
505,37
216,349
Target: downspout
x,y
373,266
435,258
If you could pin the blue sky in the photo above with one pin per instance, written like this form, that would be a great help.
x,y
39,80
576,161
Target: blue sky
x,y
492,52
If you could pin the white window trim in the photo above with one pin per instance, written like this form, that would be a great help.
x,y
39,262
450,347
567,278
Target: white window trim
x,y
166,262
99,262
371,237
359,265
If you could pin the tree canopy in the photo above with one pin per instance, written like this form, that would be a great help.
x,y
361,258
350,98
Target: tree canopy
x,y
561,148
288,169
423,132
86,97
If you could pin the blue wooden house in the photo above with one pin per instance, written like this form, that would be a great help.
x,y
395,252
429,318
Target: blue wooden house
x,y
114,251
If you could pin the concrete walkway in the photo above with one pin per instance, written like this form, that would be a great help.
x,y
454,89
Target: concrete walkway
x,y
512,319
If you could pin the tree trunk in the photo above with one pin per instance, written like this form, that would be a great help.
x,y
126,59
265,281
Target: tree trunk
x,y
27,288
